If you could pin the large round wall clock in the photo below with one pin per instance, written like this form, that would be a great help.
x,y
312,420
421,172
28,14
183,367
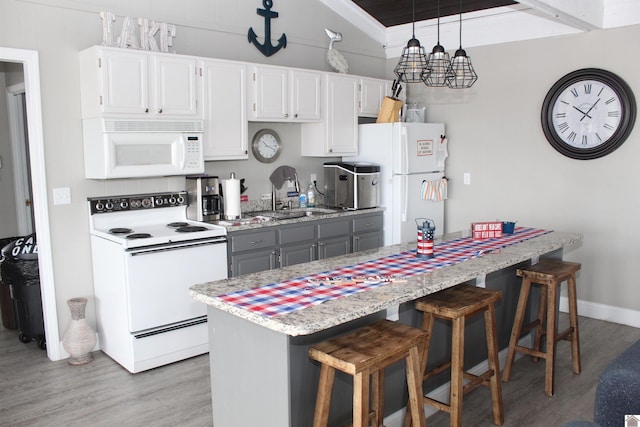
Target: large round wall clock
x,y
588,113
266,146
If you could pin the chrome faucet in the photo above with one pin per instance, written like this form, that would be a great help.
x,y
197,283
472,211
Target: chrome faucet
x,y
273,197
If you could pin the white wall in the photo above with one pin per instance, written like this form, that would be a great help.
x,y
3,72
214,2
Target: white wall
x,y
495,134
59,29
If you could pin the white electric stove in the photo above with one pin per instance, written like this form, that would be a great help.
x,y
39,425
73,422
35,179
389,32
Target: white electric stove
x,y
146,255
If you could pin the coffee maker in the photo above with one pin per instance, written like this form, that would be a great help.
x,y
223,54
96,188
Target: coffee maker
x,y
205,203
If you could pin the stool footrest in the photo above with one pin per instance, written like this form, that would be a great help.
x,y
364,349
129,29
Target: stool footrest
x,y
436,371
530,326
437,404
476,380
565,335
531,352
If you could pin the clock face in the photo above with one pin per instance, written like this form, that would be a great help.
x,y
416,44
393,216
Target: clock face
x,y
588,113
266,146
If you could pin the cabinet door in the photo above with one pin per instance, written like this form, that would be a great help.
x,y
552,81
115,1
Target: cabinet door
x,y
342,116
337,246
372,92
225,110
270,93
125,82
175,86
364,241
305,95
252,262
297,254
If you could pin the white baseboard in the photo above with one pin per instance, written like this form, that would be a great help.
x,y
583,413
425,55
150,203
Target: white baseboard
x,y
442,393
609,313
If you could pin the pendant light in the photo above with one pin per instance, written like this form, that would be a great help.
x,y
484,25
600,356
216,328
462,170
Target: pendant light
x,y
438,63
412,67
464,75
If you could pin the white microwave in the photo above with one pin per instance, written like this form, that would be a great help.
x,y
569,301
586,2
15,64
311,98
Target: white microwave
x,y
142,148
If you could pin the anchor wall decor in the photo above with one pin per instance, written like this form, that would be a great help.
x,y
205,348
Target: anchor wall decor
x,y
267,48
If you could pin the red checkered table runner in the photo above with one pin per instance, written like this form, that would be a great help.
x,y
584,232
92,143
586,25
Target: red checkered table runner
x,y
284,297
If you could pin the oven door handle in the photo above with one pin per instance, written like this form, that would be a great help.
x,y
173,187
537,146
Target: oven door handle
x,y
174,246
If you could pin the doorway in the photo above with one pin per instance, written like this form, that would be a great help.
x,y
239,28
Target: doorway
x,y
36,160
17,111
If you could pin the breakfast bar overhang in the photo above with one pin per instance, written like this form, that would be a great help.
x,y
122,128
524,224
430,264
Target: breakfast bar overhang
x,y
260,370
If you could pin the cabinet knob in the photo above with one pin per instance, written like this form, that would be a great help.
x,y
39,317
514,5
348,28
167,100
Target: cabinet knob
x,y
159,110
286,115
295,115
146,110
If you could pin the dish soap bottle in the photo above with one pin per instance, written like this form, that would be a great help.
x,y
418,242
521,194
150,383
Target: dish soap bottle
x,y
303,200
311,196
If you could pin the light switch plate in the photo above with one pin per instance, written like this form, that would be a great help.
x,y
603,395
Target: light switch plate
x,y
61,196
467,178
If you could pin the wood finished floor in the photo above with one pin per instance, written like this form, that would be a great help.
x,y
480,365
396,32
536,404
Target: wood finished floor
x,y
37,392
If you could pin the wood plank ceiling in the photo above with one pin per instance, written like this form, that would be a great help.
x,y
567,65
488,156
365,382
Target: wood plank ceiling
x,y
395,12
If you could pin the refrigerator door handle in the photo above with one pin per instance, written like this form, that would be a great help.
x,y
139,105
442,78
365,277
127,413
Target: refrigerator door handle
x,y
404,191
404,167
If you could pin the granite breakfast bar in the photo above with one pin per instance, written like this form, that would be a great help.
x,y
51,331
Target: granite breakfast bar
x,y
260,370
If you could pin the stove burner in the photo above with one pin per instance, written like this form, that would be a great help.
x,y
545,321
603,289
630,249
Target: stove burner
x,y
177,224
191,228
120,230
139,236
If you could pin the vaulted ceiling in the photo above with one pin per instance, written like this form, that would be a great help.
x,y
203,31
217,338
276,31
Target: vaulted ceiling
x,y
485,22
395,12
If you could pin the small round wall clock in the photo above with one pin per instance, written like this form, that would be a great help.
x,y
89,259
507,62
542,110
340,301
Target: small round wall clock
x,y
266,146
588,113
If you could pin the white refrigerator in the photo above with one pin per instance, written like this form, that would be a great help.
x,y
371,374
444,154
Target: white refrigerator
x,y
409,155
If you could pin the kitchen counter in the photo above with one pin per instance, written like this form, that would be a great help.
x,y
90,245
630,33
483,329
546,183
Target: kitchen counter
x,y
260,370
342,310
255,220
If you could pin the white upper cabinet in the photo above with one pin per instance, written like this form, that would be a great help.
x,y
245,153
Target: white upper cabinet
x,y
127,83
284,94
337,135
372,92
225,109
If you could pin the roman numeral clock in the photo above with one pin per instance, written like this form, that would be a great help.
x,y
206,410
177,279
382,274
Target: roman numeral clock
x,y
588,113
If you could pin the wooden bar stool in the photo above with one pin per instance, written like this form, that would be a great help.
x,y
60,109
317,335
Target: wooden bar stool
x,y
550,274
456,304
363,354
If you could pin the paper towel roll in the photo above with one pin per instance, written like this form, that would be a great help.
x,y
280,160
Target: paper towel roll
x,y
231,193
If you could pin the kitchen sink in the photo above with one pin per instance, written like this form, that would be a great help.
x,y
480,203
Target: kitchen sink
x,y
294,213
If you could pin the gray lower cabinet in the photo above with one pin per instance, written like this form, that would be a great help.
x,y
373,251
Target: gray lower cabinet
x,y
337,246
297,243
367,233
364,241
252,262
334,238
250,251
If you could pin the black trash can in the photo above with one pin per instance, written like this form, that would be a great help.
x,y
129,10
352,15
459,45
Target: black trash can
x,y
6,303
20,270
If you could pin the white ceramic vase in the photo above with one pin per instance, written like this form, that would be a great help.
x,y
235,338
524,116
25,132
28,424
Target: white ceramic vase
x,y
79,338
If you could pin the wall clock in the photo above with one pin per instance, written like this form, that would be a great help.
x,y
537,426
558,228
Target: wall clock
x,y
266,146
588,113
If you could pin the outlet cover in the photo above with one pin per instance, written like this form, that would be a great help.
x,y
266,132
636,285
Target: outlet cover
x,y
61,196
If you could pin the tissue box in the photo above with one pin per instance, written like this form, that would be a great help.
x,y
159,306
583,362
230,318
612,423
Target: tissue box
x,y
486,230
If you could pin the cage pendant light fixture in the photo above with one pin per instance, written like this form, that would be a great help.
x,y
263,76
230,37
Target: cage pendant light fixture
x,y
438,63
463,74
412,67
